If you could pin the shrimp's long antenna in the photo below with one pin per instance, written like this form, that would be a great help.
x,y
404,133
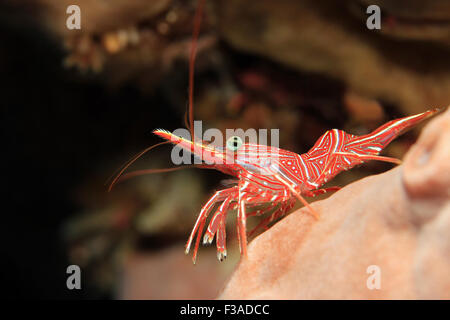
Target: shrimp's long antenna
x,y
195,33
186,123
190,124
131,161
151,171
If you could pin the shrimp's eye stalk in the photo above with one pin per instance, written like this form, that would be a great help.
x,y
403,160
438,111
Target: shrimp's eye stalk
x,y
234,143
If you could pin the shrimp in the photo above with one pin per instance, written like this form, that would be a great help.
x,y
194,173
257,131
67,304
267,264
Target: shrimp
x,y
268,180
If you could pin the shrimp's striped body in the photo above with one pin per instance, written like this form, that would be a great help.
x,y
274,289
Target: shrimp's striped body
x,y
278,178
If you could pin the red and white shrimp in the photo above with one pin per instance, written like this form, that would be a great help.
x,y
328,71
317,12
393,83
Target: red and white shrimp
x,y
269,176
278,178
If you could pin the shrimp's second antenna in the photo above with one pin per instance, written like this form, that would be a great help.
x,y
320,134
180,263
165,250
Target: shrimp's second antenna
x,y
116,177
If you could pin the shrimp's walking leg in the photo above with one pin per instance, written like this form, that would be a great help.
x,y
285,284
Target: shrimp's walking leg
x,y
278,175
313,193
215,221
264,222
241,224
284,207
200,223
221,238
262,211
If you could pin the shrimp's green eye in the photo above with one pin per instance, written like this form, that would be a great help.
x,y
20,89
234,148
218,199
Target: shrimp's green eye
x,y
234,143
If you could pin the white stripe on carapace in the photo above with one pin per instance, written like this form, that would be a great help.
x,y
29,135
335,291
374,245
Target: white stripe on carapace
x,y
318,157
305,167
338,139
313,164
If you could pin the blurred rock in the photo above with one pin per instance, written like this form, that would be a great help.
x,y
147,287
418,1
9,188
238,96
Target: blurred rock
x,y
405,63
326,38
151,213
363,109
176,204
125,41
398,221
97,16
169,274
411,19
